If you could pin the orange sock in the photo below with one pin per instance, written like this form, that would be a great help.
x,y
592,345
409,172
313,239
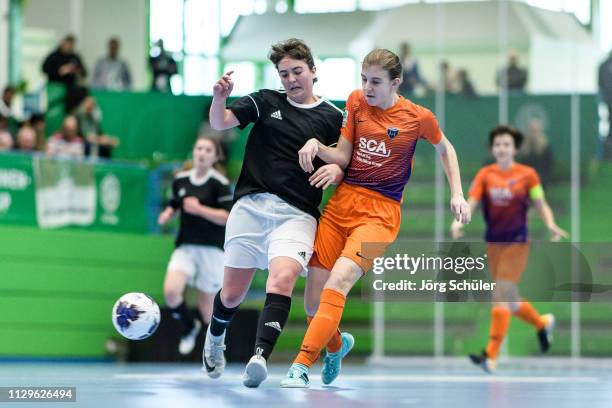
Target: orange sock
x,y
527,312
336,341
322,327
500,321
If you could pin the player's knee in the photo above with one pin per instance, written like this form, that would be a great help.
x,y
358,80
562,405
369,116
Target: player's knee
x,y
231,298
340,282
173,296
281,282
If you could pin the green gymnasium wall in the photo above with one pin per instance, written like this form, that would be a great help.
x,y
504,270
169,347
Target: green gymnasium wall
x,y
57,287
158,127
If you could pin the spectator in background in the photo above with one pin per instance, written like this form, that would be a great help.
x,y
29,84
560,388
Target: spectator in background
x,y
38,123
448,79
604,81
111,72
6,140
7,100
97,144
536,151
7,108
67,143
64,65
26,139
466,88
163,66
410,72
514,76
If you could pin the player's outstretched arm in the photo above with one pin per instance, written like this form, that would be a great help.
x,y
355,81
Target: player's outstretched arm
x,y
166,215
339,154
217,216
459,207
547,216
456,228
219,116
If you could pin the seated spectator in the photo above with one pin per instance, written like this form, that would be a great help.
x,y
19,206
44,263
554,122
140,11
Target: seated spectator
x,y
97,144
111,72
411,74
67,143
6,140
6,101
466,88
449,80
8,110
38,123
26,139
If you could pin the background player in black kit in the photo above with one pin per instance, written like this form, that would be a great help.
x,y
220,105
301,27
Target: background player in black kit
x,y
203,198
273,222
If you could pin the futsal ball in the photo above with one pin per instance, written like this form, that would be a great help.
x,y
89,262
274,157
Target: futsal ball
x,y
136,316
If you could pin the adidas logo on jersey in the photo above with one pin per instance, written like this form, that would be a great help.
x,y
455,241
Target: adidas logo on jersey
x,y
302,254
274,325
277,115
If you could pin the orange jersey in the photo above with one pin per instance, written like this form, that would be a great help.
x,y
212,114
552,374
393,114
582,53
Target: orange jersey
x,y
384,142
505,197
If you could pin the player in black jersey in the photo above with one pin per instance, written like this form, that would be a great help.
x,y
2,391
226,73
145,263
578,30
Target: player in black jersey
x,y
273,222
203,198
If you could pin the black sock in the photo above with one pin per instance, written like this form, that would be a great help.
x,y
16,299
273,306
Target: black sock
x,y
184,316
271,323
221,316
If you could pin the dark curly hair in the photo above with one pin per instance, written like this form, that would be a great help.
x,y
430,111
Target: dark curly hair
x,y
516,134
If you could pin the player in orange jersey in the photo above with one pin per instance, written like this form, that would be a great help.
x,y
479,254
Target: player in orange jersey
x,y
506,189
379,135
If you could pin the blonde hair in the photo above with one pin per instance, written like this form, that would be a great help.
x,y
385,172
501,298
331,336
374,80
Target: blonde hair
x,y
387,60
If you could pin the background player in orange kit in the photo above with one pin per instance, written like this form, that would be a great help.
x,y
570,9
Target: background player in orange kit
x,y
380,131
506,190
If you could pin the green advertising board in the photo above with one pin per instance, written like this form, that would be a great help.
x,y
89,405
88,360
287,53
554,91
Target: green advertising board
x,y
53,193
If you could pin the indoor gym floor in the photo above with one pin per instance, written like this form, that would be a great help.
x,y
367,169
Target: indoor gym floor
x,y
421,382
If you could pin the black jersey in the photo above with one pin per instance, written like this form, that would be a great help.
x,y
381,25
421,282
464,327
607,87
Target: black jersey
x,y
212,191
282,127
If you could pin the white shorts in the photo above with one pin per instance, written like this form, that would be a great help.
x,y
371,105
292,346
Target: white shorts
x,y
202,264
262,227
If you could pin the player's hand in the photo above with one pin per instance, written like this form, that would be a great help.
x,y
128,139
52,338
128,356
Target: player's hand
x,y
66,69
557,233
165,216
456,230
307,154
191,205
326,176
460,209
224,86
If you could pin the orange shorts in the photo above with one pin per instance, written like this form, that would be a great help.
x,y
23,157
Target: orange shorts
x,y
507,261
357,223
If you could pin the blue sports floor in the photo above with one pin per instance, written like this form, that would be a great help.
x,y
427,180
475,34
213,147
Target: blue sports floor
x,y
446,383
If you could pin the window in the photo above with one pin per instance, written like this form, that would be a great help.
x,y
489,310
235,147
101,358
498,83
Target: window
x,y
191,30
324,6
337,77
244,77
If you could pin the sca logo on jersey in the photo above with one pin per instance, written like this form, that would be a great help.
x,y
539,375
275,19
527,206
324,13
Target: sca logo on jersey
x,y
373,147
500,195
